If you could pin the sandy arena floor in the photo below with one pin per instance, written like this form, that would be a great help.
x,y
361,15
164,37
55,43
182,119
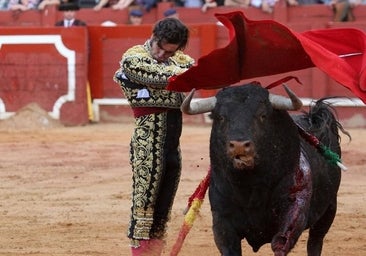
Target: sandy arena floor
x,y
65,191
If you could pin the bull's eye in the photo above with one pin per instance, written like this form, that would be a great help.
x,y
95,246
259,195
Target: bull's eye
x,y
262,117
261,113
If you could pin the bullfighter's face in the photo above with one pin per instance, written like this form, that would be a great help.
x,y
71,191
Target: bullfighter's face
x,y
161,51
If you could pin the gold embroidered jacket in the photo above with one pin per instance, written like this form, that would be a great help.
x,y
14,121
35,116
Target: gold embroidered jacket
x,y
143,79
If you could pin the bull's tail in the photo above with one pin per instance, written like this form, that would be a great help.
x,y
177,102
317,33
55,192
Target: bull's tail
x,y
320,128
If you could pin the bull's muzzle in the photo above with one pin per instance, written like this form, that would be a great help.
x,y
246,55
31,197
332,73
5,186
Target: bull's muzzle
x,y
242,154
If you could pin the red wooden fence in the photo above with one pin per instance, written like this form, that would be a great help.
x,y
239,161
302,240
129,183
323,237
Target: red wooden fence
x,y
53,66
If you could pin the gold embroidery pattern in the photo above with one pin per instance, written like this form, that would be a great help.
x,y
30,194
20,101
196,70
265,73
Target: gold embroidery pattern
x,y
136,64
141,68
158,98
147,144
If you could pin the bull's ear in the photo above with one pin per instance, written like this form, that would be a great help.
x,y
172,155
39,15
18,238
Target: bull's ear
x,y
284,103
192,107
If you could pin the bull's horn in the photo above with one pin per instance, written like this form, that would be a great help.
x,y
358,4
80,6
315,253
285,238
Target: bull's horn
x,y
284,103
197,107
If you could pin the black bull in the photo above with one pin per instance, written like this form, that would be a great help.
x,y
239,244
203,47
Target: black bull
x,y
268,184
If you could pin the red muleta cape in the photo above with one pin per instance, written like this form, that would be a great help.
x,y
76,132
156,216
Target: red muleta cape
x,y
266,47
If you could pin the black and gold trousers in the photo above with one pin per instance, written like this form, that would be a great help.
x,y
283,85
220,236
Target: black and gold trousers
x,y
156,165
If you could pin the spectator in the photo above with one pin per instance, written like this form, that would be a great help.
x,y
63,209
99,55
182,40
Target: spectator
x,y
193,3
100,4
212,4
69,11
43,3
303,2
238,3
357,2
171,13
122,4
135,17
147,5
266,5
177,3
22,5
104,3
342,9
97,5
4,5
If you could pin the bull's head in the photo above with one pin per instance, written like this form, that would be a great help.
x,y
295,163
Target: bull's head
x,y
206,105
236,133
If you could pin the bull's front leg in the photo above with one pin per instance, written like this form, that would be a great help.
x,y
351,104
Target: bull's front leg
x,y
226,238
296,216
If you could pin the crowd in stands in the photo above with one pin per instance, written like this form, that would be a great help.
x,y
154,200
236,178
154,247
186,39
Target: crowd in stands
x,y
342,8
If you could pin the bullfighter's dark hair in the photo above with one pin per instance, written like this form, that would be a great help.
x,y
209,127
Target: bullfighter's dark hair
x,y
171,31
